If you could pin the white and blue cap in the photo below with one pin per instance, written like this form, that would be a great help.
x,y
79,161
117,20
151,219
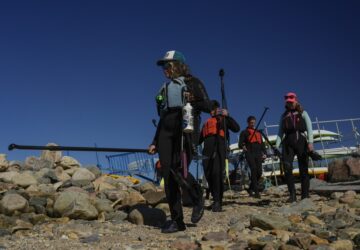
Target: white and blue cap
x,y
172,55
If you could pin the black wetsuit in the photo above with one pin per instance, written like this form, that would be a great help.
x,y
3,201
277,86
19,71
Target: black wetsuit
x,y
215,151
254,156
295,142
168,143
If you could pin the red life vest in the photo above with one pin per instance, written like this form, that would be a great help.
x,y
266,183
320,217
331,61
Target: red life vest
x,y
211,128
256,138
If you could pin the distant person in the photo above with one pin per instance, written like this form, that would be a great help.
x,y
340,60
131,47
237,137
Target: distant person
x,y
169,138
213,136
251,142
294,122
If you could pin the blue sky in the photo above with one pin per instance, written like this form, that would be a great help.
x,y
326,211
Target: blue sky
x,y
83,72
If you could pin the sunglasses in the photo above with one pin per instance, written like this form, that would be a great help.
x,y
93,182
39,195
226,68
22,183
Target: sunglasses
x,y
166,66
289,97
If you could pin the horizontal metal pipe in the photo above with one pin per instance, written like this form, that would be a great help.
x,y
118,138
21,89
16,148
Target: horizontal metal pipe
x,y
70,148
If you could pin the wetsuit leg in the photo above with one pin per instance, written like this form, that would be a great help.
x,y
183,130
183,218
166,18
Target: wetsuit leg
x,y
288,157
216,176
169,154
258,162
250,158
303,161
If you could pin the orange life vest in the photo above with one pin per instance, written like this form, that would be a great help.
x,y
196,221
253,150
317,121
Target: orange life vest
x,y
211,128
254,138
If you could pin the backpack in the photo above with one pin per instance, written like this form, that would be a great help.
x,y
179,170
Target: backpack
x,y
172,95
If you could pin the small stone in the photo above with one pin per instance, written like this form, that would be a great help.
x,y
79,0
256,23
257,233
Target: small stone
x,y
216,236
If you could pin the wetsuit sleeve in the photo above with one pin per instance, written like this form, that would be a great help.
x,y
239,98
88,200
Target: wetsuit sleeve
x,y
232,124
309,130
280,134
242,139
156,137
202,102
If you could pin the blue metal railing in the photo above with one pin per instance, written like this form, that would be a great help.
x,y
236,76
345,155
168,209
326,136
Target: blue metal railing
x,y
133,164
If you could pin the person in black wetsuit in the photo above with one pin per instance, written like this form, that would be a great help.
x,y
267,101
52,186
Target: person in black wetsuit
x,y
294,122
251,142
168,138
213,136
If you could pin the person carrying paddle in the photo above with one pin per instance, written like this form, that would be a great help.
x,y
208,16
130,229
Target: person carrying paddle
x,y
294,122
170,138
213,136
251,142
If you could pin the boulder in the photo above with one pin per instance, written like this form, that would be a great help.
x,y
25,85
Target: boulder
x,y
354,167
67,162
61,174
95,170
341,170
134,198
24,179
342,245
164,207
4,164
75,205
34,163
269,222
8,176
51,156
16,165
83,174
13,202
143,188
153,198
143,215
103,205
116,195
348,197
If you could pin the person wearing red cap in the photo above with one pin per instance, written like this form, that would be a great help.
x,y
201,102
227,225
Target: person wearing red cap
x,y
294,122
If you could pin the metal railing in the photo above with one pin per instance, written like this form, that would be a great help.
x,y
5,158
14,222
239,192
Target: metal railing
x,y
133,164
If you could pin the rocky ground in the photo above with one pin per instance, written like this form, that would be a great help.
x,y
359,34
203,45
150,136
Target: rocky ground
x,y
51,202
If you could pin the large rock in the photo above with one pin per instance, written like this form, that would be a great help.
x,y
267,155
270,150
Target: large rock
x,y
95,170
103,205
146,186
68,162
116,195
348,197
269,222
13,202
354,167
134,198
34,163
61,174
47,173
4,164
24,179
8,176
153,198
75,205
342,245
83,174
143,215
344,170
51,156
298,207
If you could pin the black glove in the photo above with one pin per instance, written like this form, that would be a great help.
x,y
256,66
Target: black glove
x,y
315,156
